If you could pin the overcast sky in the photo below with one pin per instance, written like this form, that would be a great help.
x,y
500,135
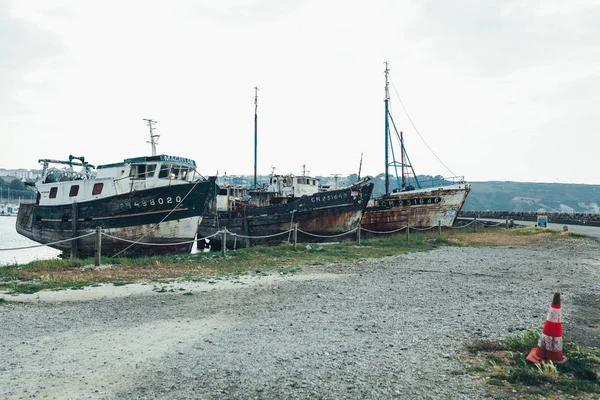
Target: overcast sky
x,y
500,90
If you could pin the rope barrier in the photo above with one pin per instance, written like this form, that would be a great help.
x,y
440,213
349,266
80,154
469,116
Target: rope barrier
x,y
263,236
326,236
236,235
423,229
159,244
48,244
464,226
498,224
394,231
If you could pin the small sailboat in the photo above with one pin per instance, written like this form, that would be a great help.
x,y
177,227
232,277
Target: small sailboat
x,y
411,203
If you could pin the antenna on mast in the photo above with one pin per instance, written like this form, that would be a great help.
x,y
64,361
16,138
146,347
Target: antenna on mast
x,y
360,165
153,138
255,134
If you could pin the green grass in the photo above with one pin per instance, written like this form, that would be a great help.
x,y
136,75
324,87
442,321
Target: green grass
x,y
70,273
282,259
506,370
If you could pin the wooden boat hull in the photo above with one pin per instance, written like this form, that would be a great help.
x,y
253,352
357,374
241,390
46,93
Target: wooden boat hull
x,y
421,208
132,216
325,214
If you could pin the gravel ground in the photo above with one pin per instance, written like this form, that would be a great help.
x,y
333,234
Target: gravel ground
x,y
385,328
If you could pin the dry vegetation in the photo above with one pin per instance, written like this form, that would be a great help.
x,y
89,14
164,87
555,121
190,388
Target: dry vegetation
x,y
504,237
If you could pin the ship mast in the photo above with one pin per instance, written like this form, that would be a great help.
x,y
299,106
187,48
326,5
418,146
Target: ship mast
x,y
387,128
255,134
153,138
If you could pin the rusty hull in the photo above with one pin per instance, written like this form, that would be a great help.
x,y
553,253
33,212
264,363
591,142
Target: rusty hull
x,y
174,231
324,214
138,215
419,208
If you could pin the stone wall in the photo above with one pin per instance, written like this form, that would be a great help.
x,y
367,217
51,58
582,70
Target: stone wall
x,y
556,218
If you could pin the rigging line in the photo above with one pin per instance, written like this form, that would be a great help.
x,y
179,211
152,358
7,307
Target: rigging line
x,y
415,128
406,154
394,156
161,221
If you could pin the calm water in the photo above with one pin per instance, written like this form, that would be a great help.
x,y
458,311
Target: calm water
x,y
9,238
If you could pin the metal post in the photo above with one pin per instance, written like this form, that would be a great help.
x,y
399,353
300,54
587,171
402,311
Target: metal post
x,y
295,235
439,227
246,228
506,223
475,224
358,234
224,242
407,232
98,249
255,134
75,217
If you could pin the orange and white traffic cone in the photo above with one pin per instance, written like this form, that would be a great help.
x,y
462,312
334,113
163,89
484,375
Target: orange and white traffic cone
x,y
550,346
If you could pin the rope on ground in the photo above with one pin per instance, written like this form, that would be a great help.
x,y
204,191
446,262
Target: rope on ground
x,y
327,236
393,231
48,244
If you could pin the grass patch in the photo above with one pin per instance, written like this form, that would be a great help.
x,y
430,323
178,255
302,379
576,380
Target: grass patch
x,y
503,366
201,267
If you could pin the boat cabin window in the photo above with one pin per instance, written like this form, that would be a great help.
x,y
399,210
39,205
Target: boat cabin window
x,y
183,173
223,192
169,171
74,191
97,188
314,182
53,192
150,168
164,171
142,171
179,173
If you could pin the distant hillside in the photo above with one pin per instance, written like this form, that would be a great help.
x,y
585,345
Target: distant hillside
x,y
533,197
512,196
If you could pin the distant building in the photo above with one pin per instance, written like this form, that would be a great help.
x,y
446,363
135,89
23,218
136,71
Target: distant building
x,y
20,173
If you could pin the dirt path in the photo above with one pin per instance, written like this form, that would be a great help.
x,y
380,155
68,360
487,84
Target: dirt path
x,y
387,328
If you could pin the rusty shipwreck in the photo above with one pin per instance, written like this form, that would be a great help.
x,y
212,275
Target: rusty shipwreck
x,y
260,215
265,213
144,205
411,203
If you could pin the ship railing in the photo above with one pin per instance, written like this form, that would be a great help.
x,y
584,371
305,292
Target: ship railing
x,y
437,181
